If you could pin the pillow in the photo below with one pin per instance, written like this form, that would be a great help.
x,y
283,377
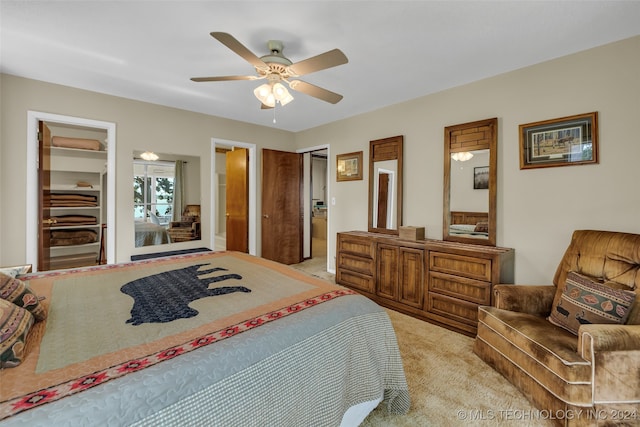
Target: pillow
x,y
585,301
15,323
482,227
16,271
154,218
17,292
468,228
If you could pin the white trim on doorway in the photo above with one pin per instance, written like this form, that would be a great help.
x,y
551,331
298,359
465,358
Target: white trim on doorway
x,y
329,174
253,161
33,117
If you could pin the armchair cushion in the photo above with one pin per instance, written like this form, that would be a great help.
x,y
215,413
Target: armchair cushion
x,y
585,301
545,352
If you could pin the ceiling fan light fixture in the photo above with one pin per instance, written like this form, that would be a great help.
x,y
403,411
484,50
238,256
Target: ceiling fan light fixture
x,y
462,156
149,156
264,93
269,93
281,94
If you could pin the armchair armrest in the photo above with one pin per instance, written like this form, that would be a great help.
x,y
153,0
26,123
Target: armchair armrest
x,y
596,338
614,353
536,299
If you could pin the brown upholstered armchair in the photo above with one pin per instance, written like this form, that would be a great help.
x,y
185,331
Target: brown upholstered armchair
x,y
588,378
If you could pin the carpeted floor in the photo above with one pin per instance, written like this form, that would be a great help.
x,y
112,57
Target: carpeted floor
x,y
448,383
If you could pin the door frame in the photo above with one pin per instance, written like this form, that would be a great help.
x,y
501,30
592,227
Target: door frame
x,y
33,117
253,160
329,175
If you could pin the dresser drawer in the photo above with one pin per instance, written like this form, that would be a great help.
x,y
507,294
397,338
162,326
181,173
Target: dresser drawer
x,y
452,308
471,290
460,265
356,263
365,247
355,280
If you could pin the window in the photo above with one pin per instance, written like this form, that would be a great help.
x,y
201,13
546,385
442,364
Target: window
x,y
153,191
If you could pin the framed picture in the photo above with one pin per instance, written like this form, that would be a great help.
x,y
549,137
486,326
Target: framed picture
x,y
565,141
481,178
349,166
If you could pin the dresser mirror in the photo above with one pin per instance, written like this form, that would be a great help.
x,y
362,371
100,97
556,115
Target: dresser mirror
x,y
166,198
470,182
385,185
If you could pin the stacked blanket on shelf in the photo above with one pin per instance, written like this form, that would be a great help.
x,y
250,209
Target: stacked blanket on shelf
x,y
72,237
69,200
69,220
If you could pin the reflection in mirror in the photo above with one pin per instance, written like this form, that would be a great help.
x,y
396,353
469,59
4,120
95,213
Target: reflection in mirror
x,y
385,185
469,199
166,194
384,195
470,182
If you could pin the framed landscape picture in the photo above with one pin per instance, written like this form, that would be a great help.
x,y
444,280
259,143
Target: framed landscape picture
x,y
349,166
565,141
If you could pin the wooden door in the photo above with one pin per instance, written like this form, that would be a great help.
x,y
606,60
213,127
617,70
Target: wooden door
x,y
411,276
44,185
282,213
237,209
387,272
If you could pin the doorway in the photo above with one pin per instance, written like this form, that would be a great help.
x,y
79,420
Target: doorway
x,y
33,208
218,236
316,206
319,204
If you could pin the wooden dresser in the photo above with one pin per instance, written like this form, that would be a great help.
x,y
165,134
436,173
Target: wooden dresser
x,y
433,280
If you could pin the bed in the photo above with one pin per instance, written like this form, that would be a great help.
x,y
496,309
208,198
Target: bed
x,y
213,338
469,224
148,233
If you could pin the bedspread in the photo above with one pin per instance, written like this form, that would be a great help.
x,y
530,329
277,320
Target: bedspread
x,y
148,234
328,350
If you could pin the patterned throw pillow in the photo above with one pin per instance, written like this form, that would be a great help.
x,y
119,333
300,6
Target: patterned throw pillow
x,y
17,292
16,271
584,301
15,323
482,227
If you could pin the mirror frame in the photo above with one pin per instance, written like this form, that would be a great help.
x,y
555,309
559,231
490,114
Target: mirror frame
x,y
381,150
478,135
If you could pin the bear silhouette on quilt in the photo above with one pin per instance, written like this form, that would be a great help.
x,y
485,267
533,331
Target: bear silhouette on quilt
x,y
164,297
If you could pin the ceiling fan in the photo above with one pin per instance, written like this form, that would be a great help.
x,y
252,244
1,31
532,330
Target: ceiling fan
x,y
276,69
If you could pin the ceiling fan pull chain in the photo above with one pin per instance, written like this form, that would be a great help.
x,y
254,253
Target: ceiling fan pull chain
x,y
274,113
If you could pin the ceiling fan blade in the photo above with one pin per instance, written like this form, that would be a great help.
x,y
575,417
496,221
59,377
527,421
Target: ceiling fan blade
x,y
323,61
223,78
229,41
264,107
315,91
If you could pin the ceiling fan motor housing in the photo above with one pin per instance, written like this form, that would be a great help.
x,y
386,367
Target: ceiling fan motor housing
x,y
276,61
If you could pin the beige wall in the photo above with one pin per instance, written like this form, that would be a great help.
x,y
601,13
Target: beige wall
x,y
138,126
537,209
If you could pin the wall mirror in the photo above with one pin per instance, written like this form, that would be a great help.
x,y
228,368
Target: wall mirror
x,y
166,198
385,185
470,182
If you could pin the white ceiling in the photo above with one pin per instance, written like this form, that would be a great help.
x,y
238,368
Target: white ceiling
x,y
398,50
